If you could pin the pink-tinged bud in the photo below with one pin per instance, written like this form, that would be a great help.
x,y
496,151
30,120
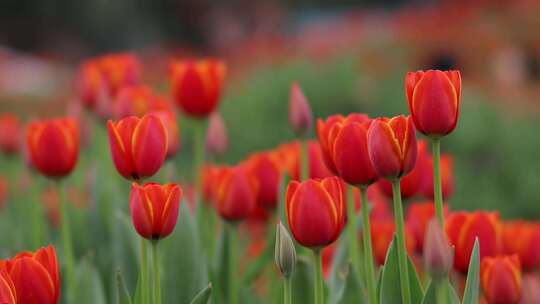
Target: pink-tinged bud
x,y
300,115
217,140
438,255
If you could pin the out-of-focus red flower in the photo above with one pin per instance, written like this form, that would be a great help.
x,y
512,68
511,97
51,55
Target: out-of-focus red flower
x,y
501,279
90,83
209,179
196,85
379,208
266,171
54,146
300,115
35,276
217,140
328,254
288,156
434,99
392,146
10,134
316,211
523,239
170,122
531,288
138,145
154,209
135,100
8,293
119,70
344,140
382,233
418,216
464,227
236,195
412,182
447,177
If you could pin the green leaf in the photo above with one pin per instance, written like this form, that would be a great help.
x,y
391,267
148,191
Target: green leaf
x,y
123,294
220,269
88,288
138,292
302,284
351,291
472,287
390,292
203,296
431,294
125,252
339,272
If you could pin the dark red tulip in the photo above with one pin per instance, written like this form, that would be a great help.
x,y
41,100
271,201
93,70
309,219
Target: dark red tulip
x,y
10,134
267,172
300,115
501,279
236,195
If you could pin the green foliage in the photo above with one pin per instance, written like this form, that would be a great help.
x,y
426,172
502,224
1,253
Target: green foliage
x,y
472,287
203,296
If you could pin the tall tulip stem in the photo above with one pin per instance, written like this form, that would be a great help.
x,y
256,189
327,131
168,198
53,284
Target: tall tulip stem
x,y
66,240
352,226
304,158
436,147
319,287
368,251
157,278
287,293
198,156
233,267
402,250
144,272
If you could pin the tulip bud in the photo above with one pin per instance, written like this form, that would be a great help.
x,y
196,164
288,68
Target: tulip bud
x,y
300,115
216,137
438,255
501,279
285,254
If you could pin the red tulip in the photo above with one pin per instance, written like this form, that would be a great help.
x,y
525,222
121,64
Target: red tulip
x,y
447,177
10,134
392,146
196,85
35,276
154,209
464,227
138,145
267,172
434,99
90,83
170,122
378,204
523,239
300,115
501,279
216,138
236,195
54,146
418,217
288,155
133,100
382,233
119,70
316,211
323,133
8,293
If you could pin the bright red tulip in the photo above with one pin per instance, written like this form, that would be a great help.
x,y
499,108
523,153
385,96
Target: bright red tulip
x,y
10,134
464,227
54,146
8,293
267,172
523,239
392,146
236,196
119,70
216,137
447,177
288,155
35,276
418,217
434,99
196,85
135,100
300,115
382,233
170,122
138,145
316,211
501,279
323,133
154,209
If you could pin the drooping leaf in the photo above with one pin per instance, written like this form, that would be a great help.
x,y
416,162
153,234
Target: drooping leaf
x,y
472,287
203,296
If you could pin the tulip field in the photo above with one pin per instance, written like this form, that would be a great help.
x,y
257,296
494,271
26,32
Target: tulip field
x,y
350,170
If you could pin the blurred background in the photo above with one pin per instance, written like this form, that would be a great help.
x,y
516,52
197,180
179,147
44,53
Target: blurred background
x,y
348,56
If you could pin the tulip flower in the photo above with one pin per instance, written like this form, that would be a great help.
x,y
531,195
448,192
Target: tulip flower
x,y
418,217
434,99
501,279
392,146
300,115
531,288
170,122
382,233
133,100
447,177
216,137
8,293
285,254
288,155
463,228
10,134
267,172
90,83
236,195
438,255
323,133
196,85
35,276
119,70
54,146
138,145
523,239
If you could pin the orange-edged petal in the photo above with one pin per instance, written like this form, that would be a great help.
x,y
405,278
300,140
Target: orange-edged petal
x,y
120,135
33,283
142,213
169,215
384,149
149,145
8,293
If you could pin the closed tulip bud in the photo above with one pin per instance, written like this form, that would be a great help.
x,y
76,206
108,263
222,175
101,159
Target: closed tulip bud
x,y
438,255
523,239
463,228
418,217
447,177
133,100
267,172
138,145
300,115
53,146
392,146
434,99
35,276
10,134
236,196
316,211
196,85
382,233
285,254
154,209
217,140
501,279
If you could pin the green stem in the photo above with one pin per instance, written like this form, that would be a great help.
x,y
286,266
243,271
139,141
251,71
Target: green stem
x,y
198,156
352,227
402,251
144,272
441,291
319,287
304,174
66,240
368,251
288,291
436,147
233,267
157,279
37,218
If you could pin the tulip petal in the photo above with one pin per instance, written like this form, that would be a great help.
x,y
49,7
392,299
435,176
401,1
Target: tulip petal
x,y
33,283
169,216
384,150
149,145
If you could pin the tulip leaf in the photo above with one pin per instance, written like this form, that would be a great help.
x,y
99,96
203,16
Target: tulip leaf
x,y
390,292
339,272
88,288
302,284
125,251
472,287
351,291
123,294
203,296
431,293
220,269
